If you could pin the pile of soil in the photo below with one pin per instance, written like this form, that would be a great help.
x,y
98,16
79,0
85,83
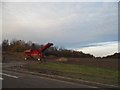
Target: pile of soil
x,y
62,59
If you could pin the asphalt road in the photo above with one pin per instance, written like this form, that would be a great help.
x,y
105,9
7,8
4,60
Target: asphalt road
x,y
20,80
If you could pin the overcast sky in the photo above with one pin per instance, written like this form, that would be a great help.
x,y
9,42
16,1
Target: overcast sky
x,y
74,25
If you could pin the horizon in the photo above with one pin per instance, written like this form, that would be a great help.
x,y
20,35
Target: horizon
x,y
88,48
87,26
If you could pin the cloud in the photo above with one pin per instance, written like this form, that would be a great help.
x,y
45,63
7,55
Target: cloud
x,y
100,49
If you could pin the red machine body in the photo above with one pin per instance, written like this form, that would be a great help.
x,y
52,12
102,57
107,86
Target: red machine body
x,y
38,53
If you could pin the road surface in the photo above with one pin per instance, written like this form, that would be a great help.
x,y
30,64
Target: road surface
x,y
20,80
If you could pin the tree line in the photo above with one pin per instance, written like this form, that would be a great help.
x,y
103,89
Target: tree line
x,y
21,46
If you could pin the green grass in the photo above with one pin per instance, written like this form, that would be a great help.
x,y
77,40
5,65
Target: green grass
x,y
101,75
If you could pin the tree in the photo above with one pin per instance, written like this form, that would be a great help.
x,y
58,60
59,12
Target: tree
x,y
5,45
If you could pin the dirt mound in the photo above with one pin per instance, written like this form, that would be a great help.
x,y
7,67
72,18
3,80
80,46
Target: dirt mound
x,y
62,59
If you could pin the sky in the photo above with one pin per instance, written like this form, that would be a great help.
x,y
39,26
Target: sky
x,y
91,27
60,0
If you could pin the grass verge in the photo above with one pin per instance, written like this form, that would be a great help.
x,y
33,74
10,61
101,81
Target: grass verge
x,y
100,75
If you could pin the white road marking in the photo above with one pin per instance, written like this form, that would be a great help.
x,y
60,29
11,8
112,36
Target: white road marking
x,y
1,78
9,75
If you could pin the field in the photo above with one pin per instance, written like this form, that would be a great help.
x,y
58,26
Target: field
x,y
90,69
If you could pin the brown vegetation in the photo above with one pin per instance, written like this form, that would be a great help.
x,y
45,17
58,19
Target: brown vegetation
x,y
21,46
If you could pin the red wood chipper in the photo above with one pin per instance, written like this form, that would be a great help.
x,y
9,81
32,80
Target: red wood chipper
x,y
31,53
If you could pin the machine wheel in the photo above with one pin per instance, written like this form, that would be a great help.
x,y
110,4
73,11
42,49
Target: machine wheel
x,y
26,58
38,59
